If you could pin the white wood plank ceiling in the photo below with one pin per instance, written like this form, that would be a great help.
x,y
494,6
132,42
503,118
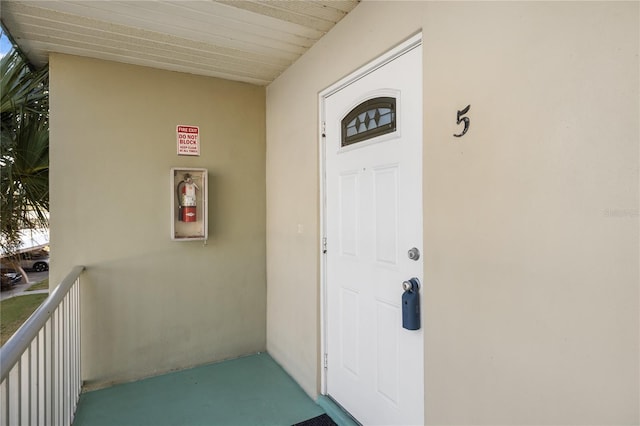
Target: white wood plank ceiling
x,y
244,40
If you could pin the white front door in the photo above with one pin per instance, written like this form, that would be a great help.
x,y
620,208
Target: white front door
x,y
373,217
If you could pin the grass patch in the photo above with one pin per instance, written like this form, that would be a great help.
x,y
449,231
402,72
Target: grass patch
x,y
15,311
42,285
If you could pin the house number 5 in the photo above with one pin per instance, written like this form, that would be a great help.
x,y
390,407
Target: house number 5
x,y
462,119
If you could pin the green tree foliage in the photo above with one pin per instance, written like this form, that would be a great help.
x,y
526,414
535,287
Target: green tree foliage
x,y
24,148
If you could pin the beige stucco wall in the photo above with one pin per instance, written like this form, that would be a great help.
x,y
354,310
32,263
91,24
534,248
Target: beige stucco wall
x,y
150,304
531,219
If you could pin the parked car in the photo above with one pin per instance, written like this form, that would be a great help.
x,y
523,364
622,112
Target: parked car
x,y
35,260
9,277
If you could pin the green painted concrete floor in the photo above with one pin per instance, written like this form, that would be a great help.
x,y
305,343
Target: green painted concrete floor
x,y
253,390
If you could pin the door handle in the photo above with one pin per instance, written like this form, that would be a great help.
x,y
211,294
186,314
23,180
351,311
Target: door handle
x,y
412,284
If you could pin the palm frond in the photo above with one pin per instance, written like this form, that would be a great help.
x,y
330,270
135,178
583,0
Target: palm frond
x,y
24,148
22,88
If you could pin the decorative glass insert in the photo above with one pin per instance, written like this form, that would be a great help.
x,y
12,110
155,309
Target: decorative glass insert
x,y
371,118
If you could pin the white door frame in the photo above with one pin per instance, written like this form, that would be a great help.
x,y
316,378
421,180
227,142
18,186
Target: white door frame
x,y
404,47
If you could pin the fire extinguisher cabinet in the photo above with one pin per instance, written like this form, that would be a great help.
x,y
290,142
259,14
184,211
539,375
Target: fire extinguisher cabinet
x,y
188,204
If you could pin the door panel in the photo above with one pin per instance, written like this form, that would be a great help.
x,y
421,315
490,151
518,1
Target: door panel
x,y
349,316
373,216
386,214
348,213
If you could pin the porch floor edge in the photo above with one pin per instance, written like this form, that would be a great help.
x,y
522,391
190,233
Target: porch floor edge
x,y
337,413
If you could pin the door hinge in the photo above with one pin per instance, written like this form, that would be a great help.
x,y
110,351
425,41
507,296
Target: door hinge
x,y
324,245
324,129
326,361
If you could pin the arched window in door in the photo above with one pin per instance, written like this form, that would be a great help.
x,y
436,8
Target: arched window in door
x,y
373,117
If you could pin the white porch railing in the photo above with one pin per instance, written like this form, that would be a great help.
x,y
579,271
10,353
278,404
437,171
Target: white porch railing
x,y
40,378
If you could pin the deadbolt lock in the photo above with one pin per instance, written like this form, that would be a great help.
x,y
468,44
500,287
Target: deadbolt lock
x,y
414,254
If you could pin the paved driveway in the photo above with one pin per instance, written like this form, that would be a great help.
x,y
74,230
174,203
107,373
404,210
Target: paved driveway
x,y
18,289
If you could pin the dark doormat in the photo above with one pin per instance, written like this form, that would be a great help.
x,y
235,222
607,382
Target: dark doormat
x,y
323,420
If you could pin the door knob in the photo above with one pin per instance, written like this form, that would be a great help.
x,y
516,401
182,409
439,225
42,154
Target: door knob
x,y
412,284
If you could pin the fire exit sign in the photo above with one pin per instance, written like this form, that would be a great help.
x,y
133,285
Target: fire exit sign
x,y
188,140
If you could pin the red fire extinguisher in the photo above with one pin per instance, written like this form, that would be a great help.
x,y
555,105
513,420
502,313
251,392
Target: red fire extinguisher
x,y
186,192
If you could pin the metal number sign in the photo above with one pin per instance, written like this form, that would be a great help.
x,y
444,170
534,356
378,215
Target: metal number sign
x,y
464,120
